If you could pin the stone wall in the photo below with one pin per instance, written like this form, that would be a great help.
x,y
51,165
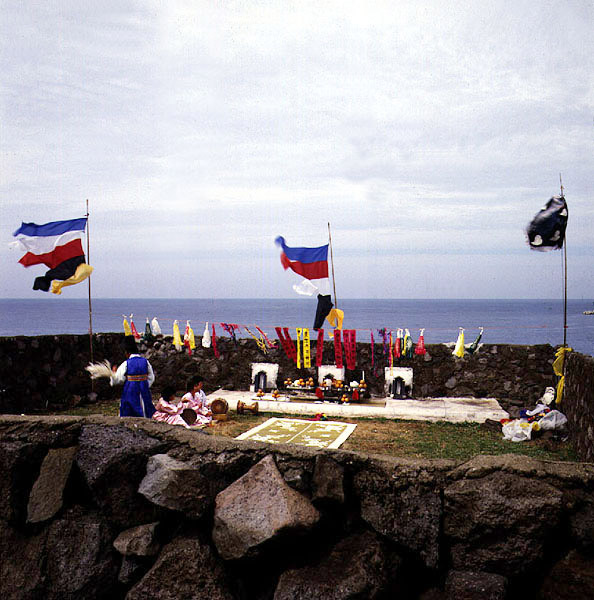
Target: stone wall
x,y
128,508
578,403
48,371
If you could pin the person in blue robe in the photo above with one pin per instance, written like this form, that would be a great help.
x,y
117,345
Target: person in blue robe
x,y
137,376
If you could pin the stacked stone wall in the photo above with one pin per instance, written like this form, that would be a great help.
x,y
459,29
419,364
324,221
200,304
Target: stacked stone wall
x,y
102,507
578,403
43,372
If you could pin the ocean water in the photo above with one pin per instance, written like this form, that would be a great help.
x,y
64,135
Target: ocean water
x,y
504,321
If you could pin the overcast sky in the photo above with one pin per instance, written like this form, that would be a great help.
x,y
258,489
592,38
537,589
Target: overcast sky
x,y
427,133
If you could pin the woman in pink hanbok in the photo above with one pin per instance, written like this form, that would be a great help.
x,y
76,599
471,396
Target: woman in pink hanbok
x,y
196,400
168,410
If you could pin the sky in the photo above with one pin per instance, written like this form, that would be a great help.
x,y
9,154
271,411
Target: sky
x,y
427,134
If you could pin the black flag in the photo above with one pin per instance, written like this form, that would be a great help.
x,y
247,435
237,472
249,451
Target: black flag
x,y
547,229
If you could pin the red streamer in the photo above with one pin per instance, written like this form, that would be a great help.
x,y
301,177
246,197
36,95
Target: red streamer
x,y
320,348
214,342
337,349
287,343
350,348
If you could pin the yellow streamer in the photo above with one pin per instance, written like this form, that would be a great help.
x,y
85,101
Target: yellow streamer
x,y
459,349
81,273
559,368
177,342
127,330
306,349
260,342
335,318
299,330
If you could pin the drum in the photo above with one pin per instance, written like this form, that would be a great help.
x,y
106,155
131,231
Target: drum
x,y
219,406
189,416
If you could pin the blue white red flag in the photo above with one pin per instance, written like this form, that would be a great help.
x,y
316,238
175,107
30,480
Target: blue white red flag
x,y
311,263
58,245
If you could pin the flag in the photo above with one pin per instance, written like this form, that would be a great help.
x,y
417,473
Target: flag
x,y
310,263
58,245
547,230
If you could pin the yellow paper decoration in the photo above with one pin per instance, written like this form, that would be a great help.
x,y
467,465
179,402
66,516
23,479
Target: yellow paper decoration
x,y
299,330
127,330
306,349
177,341
459,349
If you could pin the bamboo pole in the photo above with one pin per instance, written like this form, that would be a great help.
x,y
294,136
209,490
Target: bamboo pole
x,y
564,276
89,287
332,262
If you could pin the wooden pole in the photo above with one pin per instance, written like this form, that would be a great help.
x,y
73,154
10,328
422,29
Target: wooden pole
x,y
565,275
89,286
332,263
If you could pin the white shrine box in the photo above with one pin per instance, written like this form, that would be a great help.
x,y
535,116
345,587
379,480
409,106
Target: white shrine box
x,y
398,382
264,376
326,370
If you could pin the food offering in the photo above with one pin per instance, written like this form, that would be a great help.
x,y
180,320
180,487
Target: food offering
x,y
275,394
260,393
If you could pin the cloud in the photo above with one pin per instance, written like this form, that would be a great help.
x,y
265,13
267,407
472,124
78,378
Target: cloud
x,y
427,134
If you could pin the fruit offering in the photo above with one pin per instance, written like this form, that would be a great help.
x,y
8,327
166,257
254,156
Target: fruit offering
x,y
344,398
260,393
275,394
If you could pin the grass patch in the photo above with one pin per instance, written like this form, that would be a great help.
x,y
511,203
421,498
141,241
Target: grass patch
x,y
412,439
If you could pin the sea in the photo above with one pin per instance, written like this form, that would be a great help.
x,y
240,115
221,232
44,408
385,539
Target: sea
x,y
504,321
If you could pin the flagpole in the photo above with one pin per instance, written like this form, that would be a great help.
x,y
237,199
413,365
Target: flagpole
x,y
565,276
332,262
89,285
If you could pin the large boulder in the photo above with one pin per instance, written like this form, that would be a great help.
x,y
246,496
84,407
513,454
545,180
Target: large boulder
x,y
81,560
46,496
20,467
22,560
177,485
402,502
185,568
112,460
258,508
359,566
500,523
472,585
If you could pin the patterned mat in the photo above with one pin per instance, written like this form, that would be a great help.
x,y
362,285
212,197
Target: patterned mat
x,y
315,434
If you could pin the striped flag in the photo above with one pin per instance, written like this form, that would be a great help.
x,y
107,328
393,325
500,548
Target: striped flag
x,y
57,245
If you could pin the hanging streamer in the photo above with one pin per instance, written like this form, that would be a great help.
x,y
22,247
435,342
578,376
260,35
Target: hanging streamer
x,y
133,329
306,349
407,345
286,343
372,353
189,340
559,370
230,329
148,332
420,347
337,349
391,354
320,348
398,344
299,331
269,342
176,336
156,327
126,326
459,349
206,336
350,348
259,341
384,335
214,342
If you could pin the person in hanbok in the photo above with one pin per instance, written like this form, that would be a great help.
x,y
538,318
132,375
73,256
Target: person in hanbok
x,y
195,399
168,409
137,376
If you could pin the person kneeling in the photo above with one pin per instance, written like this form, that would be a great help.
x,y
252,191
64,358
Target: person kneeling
x,y
195,399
